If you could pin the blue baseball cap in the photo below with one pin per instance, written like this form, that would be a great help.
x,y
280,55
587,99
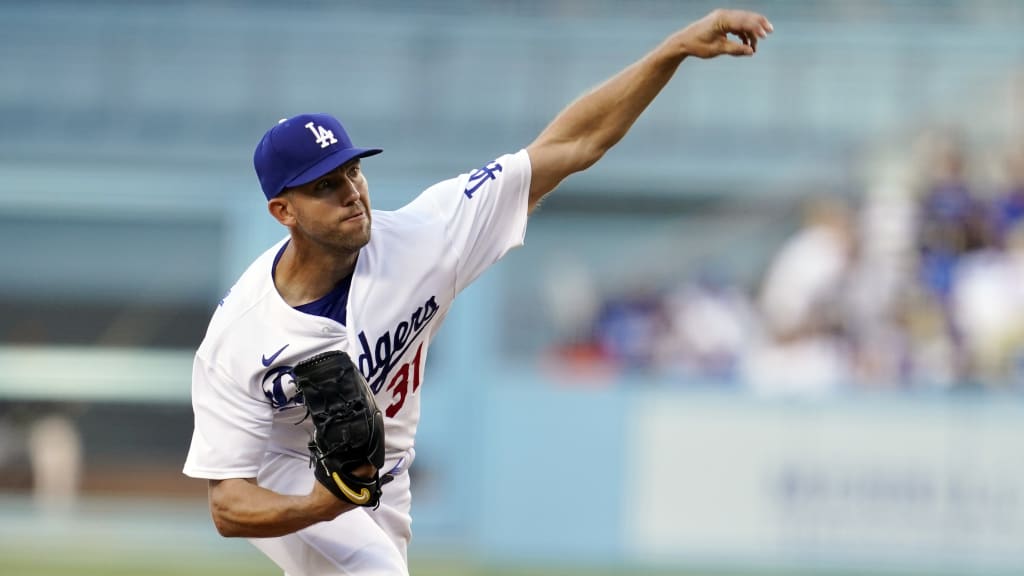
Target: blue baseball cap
x,y
301,149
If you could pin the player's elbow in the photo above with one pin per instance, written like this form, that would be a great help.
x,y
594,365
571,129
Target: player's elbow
x,y
554,161
220,511
224,526
225,530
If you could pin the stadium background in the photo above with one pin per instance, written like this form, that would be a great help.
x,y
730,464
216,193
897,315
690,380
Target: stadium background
x,y
575,420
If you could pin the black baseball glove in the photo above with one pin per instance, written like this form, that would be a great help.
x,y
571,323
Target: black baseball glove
x,y
348,426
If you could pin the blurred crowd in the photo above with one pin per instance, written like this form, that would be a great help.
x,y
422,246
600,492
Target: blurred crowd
x,y
919,283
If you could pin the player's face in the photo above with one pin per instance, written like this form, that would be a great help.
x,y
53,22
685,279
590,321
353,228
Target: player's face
x,y
334,210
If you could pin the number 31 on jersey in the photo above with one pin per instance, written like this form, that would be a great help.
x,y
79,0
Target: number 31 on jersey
x,y
406,376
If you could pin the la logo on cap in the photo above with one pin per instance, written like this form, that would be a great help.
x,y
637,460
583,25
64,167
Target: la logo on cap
x,y
324,137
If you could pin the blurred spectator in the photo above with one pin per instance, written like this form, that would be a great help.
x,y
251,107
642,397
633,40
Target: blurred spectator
x,y
988,307
45,431
881,274
45,434
711,323
805,280
951,220
55,447
802,305
631,329
1008,206
923,287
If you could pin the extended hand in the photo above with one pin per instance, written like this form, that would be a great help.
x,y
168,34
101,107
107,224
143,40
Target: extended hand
x,y
709,36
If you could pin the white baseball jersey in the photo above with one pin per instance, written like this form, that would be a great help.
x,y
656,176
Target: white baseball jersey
x,y
248,419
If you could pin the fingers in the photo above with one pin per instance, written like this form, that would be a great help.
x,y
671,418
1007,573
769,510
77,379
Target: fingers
x,y
365,471
746,46
749,40
736,49
732,32
746,25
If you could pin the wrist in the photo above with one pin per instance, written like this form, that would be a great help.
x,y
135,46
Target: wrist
x,y
322,505
674,50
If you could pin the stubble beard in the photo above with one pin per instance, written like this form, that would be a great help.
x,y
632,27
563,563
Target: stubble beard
x,y
349,243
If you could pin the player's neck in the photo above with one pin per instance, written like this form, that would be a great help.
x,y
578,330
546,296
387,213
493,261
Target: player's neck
x,y
306,273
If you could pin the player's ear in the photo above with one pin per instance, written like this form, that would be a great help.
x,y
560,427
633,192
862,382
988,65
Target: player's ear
x,y
281,209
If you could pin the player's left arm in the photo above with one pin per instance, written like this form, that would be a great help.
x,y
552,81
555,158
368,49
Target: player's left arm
x,y
581,134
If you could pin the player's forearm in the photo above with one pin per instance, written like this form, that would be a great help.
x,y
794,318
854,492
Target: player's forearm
x,y
240,508
598,120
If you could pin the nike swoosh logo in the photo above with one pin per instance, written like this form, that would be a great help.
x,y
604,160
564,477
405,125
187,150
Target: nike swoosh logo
x,y
359,498
269,361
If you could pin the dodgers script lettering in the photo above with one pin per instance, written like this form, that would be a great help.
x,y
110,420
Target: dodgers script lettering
x,y
377,361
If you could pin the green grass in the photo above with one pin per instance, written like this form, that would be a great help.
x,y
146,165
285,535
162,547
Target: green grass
x,y
27,563
32,563
52,567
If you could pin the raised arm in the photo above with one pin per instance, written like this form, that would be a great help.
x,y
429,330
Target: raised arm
x,y
581,134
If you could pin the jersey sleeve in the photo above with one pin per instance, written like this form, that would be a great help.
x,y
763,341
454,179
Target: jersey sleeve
x,y
484,213
231,426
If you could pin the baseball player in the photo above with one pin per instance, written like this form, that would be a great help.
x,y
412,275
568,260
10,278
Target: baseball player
x,y
371,288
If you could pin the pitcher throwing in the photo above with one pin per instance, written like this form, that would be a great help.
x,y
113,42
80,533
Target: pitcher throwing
x,y
370,289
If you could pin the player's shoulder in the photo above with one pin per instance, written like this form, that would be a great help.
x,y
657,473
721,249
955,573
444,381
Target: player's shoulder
x,y
255,282
411,215
434,201
417,216
488,171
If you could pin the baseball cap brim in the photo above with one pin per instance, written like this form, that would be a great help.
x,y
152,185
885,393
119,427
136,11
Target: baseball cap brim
x,y
329,164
